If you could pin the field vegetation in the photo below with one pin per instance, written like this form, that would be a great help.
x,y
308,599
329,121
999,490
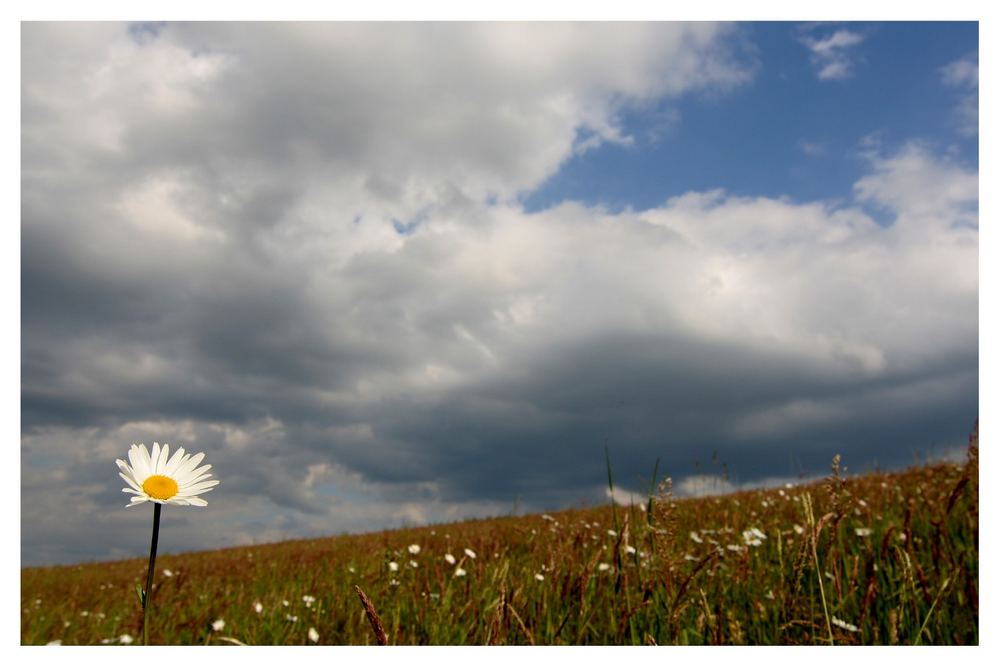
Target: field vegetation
x,y
883,558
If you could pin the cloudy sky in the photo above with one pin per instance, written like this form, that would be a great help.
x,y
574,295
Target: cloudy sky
x,y
390,274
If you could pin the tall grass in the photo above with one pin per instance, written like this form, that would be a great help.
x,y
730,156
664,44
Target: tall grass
x,y
893,555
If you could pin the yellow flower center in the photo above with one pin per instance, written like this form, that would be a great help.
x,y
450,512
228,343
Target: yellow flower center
x,y
160,487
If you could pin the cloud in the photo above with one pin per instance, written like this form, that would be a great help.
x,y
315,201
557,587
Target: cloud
x,y
963,74
210,258
831,53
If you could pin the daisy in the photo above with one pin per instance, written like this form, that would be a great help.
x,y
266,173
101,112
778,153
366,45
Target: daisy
x,y
413,549
470,553
459,572
258,607
393,566
540,577
450,559
313,635
163,479
218,624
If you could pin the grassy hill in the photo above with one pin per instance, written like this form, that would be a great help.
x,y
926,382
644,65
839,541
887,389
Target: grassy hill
x,y
885,558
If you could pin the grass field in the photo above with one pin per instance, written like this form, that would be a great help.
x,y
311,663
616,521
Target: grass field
x,y
877,559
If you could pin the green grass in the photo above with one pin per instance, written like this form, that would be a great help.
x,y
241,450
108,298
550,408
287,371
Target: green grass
x,y
914,579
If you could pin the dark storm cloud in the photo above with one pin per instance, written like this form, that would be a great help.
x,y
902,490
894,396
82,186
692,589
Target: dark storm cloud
x,y
210,259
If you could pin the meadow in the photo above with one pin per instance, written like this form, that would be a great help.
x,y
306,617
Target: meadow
x,y
880,558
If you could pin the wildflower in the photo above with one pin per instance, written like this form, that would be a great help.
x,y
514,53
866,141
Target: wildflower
x,y
770,594
285,603
540,577
694,536
843,624
413,564
155,478
629,550
290,618
603,567
393,566
168,573
308,599
612,533
862,532
55,642
450,559
689,557
413,549
798,529
394,582
125,639
218,624
313,635
548,517
258,607
734,547
470,553
351,570
459,572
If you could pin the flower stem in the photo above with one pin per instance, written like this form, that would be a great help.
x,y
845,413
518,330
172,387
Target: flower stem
x,y
149,576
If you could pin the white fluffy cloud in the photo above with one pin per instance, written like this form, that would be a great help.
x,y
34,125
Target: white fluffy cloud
x,y
831,53
300,248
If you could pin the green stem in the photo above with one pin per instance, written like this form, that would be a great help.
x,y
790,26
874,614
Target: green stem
x,y
149,576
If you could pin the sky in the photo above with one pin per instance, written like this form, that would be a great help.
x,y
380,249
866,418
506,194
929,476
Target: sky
x,y
394,274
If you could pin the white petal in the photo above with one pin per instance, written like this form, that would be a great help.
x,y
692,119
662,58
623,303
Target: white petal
x,y
140,466
146,459
154,456
174,462
161,460
130,482
198,502
195,488
188,465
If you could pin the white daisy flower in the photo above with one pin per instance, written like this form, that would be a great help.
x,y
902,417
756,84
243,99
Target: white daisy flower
x,y
393,566
459,572
629,550
540,577
125,639
450,559
55,642
168,573
694,536
470,553
603,567
612,533
313,635
862,532
413,564
218,624
290,618
160,478
843,624
413,549
258,607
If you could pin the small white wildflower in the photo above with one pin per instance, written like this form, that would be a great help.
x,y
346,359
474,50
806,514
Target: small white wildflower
x,y
413,564
694,536
55,642
540,577
770,594
105,641
798,529
862,502
218,624
548,517
85,613
689,557
459,572
413,549
351,570
603,567
612,533
168,573
843,624
393,566
313,635
828,576
629,549
734,547
285,603
470,553
862,532
308,599
125,639
258,607
394,582
289,617
450,559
